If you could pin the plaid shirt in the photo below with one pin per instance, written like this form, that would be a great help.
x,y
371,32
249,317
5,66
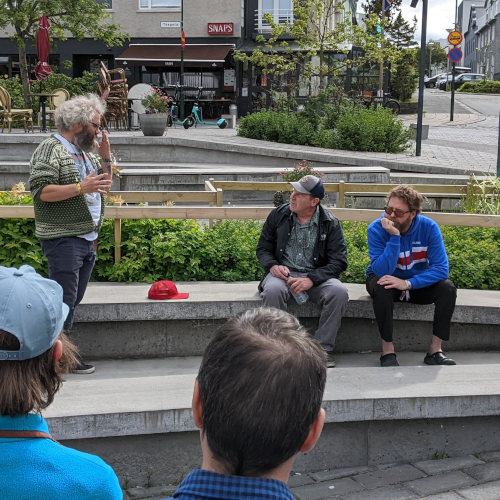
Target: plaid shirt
x,y
201,484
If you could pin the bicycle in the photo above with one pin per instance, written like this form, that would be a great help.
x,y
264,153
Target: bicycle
x,y
368,99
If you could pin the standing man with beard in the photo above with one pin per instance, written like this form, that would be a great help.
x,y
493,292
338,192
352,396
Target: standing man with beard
x,y
68,181
408,262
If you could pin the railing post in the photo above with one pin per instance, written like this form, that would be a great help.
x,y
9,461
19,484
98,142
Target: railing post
x,y
118,236
341,194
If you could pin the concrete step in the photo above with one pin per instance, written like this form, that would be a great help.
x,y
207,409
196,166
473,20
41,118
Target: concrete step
x,y
117,320
136,413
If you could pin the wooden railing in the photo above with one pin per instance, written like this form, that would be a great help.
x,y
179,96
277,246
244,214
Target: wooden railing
x,y
350,189
117,213
213,195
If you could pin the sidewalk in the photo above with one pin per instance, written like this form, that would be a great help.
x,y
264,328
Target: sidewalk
x,y
470,477
466,145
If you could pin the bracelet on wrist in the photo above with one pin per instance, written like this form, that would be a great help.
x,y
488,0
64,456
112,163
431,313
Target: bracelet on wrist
x,y
408,284
79,186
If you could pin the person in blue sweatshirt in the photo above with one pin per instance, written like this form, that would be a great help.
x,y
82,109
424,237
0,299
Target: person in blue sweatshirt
x,y
34,355
408,262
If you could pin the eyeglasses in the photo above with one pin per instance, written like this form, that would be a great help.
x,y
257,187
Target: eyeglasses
x,y
396,212
98,127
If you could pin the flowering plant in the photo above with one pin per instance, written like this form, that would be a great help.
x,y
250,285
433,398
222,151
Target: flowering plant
x,y
300,170
155,101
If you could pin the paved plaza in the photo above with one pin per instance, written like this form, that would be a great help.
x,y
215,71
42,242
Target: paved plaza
x,y
471,477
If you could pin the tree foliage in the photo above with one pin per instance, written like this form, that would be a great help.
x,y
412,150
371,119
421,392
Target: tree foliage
x,y
316,31
437,58
75,18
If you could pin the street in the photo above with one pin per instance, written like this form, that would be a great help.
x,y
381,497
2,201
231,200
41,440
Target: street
x,y
438,101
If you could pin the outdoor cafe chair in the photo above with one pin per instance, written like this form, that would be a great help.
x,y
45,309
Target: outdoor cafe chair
x,y
60,95
7,113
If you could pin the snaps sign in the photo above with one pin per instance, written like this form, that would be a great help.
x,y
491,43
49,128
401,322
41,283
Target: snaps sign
x,y
220,28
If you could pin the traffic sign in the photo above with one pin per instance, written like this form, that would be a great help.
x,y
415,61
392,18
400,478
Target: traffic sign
x,y
455,38
455,55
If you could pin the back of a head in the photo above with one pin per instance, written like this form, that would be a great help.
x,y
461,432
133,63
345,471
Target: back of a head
x,y
32,315
261,380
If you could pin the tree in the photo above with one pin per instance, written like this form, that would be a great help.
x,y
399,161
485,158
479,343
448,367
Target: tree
x,y
78,18
316,31
434,54
385,37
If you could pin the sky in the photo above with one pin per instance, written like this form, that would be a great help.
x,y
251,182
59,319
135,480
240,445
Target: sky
x,y
440,15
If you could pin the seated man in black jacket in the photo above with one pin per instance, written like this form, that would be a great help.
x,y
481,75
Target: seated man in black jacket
x,y
302,249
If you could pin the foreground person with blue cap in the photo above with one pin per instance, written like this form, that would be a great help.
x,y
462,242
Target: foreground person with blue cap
x,y
33,356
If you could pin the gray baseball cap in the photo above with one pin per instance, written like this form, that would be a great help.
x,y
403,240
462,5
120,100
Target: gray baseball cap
x,y
310,184
31,309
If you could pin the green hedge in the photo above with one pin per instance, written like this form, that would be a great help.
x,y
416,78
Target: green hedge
x,y
184,250
481,87
340,126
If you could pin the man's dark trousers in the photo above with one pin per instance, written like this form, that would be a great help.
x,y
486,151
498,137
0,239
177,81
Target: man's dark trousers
x,y
442,294
71,261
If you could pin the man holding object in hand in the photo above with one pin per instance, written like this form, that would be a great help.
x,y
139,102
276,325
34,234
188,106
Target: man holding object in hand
x,y
408,262
69,174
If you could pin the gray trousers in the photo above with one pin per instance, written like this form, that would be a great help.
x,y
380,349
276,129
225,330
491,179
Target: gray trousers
x,y
331,295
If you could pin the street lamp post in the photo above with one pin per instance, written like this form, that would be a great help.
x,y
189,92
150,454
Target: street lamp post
x,y
181,76
420,109
430,44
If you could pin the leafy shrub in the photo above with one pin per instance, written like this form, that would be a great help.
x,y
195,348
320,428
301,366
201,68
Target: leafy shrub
x,y
342,126
300,170
404,76
473,256
184,250
371,130
75,86
483,196
277,126
15,89
481,87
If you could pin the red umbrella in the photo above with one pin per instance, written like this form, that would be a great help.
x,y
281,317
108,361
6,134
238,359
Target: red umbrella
x,y
42,68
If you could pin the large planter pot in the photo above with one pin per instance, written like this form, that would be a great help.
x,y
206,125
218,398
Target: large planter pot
x,y
153,123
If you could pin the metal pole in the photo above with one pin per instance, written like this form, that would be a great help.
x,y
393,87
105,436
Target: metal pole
x,y
498,153
181,76
452,104
420,109
430,60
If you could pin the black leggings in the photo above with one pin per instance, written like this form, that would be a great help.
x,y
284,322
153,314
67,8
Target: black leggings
x,y
442,294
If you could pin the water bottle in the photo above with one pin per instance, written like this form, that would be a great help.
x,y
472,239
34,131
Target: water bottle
x,y
300,298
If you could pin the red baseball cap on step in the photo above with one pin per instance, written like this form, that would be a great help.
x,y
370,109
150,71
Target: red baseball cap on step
x,y
165,290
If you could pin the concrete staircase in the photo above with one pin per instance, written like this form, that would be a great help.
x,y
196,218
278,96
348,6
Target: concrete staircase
x,y
135,413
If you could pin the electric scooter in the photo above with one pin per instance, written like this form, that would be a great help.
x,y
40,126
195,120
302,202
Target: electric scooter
x,y
172,116
196,116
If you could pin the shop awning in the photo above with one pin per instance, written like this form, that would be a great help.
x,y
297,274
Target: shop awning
x,y
195,55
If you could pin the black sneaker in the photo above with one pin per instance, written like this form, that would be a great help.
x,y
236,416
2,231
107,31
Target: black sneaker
x,y
330,361
389,360
83,368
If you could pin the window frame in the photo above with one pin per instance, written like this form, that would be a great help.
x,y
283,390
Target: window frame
x,y
172,8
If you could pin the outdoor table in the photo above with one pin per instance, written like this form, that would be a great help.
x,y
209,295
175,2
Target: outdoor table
x,y
43,99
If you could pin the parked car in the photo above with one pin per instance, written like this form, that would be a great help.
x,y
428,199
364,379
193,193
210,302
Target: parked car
x,y
468,77
443,81
431,82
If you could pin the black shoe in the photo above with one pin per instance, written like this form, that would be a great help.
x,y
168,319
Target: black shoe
x,y
389,360
330,362
438,358
83,368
